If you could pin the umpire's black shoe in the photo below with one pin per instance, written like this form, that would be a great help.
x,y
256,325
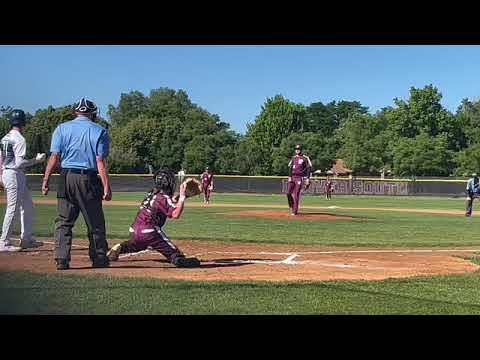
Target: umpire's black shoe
x,y
101,263
63,265
185,262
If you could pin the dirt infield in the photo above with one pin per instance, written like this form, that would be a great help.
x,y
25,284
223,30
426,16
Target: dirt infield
x,y
284,215
265,262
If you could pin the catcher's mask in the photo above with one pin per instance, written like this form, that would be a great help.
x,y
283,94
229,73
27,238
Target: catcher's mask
x,y
164,181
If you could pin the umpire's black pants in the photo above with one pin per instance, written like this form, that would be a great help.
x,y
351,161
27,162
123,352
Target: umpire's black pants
x,y
80,193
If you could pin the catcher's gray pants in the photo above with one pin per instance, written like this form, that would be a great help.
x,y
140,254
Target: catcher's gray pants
x,y
19,201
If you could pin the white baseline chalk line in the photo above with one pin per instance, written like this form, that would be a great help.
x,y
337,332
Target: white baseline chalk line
x,y
52,243
326,252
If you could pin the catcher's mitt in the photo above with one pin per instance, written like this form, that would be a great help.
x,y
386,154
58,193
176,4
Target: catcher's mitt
x,y
193,187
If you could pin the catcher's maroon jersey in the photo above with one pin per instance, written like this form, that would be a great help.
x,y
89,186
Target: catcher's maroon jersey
x,y
300,165
154,211
206,179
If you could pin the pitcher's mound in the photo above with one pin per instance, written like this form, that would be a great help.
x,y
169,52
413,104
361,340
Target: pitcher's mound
x,y
272,214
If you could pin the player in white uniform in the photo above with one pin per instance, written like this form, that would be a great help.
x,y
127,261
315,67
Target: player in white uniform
x,y
19,199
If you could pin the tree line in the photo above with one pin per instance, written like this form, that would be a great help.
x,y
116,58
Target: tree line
x,y
412,137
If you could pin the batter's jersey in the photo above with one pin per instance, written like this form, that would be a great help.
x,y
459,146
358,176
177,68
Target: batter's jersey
x,y
300,165
14,150
473,186
154,211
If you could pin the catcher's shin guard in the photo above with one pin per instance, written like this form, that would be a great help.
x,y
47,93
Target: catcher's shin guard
x,y
184,262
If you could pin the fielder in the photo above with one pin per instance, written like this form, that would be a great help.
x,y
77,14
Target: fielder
x,y
19,199
300,168
328,189
146,231
207,184
473,191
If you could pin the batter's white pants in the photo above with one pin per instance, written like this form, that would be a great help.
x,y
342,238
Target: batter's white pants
x,y
19,200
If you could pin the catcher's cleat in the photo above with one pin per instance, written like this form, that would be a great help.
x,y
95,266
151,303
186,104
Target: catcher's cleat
x,y
185,262
114,252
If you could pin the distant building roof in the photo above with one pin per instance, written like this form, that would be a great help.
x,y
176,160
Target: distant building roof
x,y
339,168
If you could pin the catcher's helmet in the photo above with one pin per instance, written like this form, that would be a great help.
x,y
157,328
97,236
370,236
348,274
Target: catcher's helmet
x,y
86,107
164,181
17,118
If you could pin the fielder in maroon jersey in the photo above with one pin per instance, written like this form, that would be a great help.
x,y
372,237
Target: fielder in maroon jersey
x,y
328,189
207,184
146,230
300,168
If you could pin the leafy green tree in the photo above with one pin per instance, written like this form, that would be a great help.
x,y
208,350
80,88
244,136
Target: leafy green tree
x,y
468,116
199,153
140,137
278,119
321,118
130,106
423,156
423,113
124,162
363,144
226,161
250,158
345,109
168,102
468,161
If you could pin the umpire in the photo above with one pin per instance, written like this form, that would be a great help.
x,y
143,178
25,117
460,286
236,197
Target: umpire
x,y
81,146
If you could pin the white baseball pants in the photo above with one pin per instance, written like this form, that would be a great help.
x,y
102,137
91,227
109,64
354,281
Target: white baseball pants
x,y
19,200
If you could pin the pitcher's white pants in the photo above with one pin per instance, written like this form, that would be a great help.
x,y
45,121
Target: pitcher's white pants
x,y
19,200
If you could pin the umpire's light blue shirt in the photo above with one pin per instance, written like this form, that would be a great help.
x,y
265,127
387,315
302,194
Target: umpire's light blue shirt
x,y
80,142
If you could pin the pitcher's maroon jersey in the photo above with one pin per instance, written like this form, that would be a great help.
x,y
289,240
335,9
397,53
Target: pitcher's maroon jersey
x,y
206,179
300,165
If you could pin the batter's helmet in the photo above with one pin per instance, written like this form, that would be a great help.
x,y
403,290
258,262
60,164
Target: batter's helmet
x,y
164,181
86,107
17,118
298,147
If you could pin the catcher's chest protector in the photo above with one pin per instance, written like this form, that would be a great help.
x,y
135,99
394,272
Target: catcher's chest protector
x,y
148,200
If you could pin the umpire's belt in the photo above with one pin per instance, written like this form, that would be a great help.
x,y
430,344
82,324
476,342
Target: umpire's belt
x,y
80,171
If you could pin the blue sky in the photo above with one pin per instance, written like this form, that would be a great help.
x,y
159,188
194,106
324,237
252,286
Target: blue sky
x,y
234,81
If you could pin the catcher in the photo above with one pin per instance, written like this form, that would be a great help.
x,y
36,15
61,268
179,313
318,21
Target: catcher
x,y
300,168
473,191
158,205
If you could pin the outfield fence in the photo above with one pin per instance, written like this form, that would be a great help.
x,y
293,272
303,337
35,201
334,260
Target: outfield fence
x,y
278,185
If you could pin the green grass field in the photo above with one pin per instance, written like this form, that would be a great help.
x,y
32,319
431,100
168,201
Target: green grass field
x,y
24,292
